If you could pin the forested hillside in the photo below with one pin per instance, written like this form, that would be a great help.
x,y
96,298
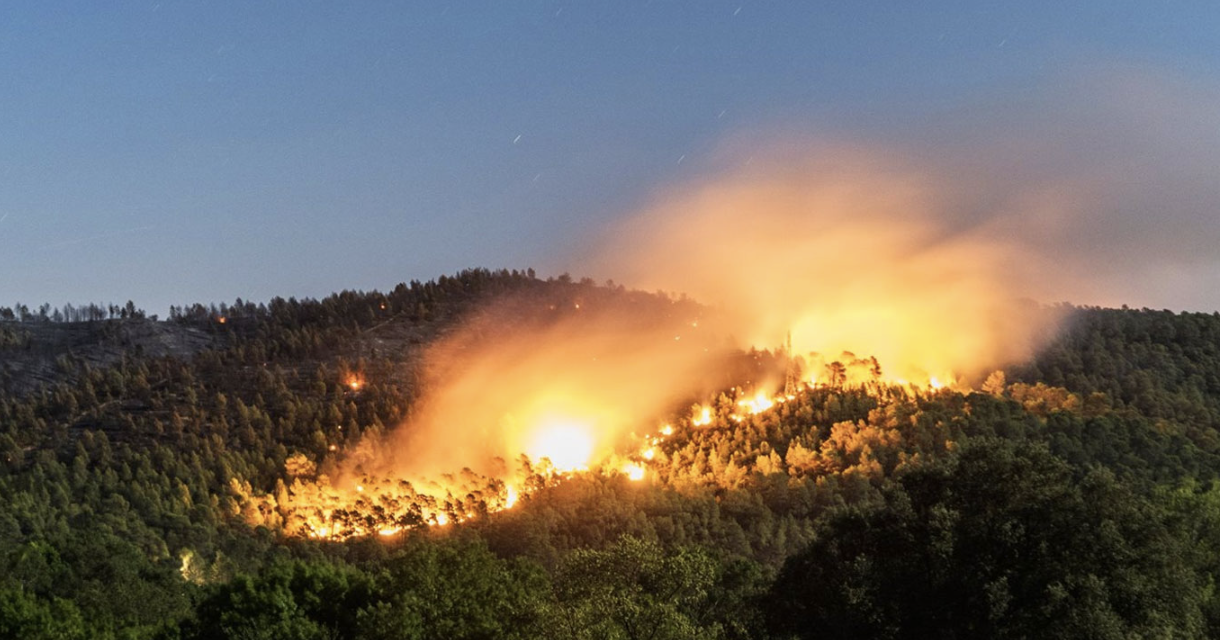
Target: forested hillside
x,y
144,477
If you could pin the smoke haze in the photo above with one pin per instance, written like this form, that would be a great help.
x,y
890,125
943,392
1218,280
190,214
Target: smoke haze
x,y
927,252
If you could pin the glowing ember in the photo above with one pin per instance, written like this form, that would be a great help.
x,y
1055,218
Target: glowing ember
x,y
354,382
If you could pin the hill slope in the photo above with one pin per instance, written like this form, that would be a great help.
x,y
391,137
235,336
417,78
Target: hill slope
x,y
145,470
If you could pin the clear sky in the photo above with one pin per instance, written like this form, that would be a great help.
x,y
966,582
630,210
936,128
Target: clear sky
x,y
173,152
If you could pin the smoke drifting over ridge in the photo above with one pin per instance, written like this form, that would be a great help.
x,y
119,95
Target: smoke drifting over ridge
x,y
848,253
562,373
927,252
1100,188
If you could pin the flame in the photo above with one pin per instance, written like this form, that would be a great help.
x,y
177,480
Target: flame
x,y
758,404
848,257
633,471
567,444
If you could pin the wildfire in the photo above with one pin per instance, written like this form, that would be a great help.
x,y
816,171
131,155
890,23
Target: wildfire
x,y
758,404
565,438
568,445
634,471
841,253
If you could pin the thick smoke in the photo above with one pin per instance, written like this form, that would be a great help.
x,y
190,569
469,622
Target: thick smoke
x,y
931,252
850,251
561,374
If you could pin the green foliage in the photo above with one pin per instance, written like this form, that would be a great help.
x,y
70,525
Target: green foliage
x,y
997,541
634,590
25,616
453,590
296,600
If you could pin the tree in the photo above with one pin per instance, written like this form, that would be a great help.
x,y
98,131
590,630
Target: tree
x,y
635,590
24,616
288,600
999,541
453,590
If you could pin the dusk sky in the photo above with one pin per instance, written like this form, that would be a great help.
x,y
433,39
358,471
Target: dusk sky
x,y
178,152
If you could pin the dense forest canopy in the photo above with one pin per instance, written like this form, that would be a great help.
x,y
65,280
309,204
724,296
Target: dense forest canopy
x,y
151,470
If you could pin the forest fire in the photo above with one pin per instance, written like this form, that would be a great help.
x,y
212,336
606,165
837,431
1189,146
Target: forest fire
x,y
557,447
758,403
840,259
568,446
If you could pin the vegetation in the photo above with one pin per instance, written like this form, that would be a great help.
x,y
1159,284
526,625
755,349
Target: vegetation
x,y
1075,496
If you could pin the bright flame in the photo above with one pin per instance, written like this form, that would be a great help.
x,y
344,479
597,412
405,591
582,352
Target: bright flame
x,y
667,430
758,404
633,471
510,497
649,453
354,382
704,417
568,445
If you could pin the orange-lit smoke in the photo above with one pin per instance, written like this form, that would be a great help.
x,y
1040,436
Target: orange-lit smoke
x,y
849,252
562,378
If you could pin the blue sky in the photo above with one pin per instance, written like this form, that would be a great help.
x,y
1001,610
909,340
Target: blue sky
x,y
173,152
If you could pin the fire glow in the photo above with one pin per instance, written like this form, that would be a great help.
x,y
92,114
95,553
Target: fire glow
x,y
846,269
567,445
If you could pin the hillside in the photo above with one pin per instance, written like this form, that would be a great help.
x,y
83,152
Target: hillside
x,y
154,476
